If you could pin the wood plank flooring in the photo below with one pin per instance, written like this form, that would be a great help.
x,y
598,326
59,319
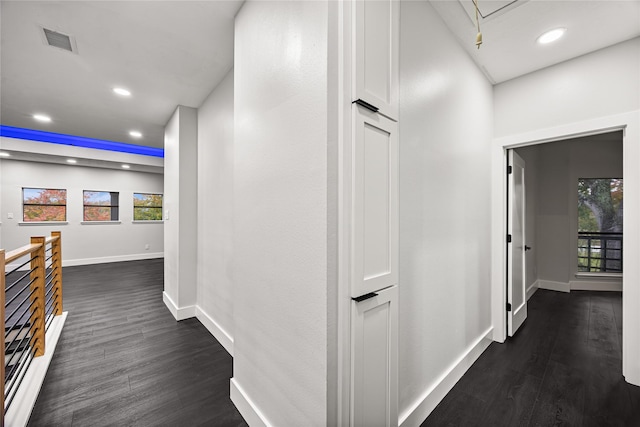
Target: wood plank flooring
x,y
563,368
123,360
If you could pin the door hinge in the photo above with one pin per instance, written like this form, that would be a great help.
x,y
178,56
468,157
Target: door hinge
x,y
508,306
509,170
508,238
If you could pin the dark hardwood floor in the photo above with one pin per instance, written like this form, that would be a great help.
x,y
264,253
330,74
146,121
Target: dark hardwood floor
x,y
563,368
123,360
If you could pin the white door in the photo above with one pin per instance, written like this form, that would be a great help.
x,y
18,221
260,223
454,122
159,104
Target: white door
x,y
374,367
516,293
377,38
375,202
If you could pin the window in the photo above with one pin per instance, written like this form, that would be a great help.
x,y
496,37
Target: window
x,y
100,206
600,225
147,207
44,204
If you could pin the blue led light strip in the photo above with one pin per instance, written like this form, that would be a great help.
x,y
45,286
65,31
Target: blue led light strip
x,y
79,141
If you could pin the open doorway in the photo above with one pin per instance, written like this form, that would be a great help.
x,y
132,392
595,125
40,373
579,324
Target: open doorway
x,y
573,219
629,125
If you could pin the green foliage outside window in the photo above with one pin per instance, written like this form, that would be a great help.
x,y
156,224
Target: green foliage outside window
x,y
147,207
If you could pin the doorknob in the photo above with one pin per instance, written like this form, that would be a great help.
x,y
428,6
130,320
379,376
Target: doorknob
x,y
527,248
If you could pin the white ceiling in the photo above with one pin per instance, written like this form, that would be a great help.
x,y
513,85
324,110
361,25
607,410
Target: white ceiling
x,y
509,46
171,53
167,53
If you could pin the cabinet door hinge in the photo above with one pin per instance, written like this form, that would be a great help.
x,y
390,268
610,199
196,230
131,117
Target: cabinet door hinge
x,y
509,170
508,238
508,306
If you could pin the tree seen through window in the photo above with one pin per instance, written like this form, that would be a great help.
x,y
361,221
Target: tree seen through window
x,y
600,208
147,207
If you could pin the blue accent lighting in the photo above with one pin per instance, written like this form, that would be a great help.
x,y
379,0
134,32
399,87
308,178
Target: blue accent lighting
x,y
78,141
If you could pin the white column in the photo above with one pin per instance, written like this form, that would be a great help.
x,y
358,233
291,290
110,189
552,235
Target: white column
x,y
180,212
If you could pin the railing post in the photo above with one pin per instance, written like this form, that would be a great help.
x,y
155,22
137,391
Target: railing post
x,y
37,276
56,266
3,301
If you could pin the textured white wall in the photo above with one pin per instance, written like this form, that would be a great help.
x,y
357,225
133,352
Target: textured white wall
x,y
602,83
82,243
445,136
215,206
280,210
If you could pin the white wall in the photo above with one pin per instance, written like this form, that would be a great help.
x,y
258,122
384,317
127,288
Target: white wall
x,y
215,212
602,83
445,136
180,213
82,243
280,213
591,94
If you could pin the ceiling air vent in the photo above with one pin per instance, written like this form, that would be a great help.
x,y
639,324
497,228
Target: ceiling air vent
x,y
59,40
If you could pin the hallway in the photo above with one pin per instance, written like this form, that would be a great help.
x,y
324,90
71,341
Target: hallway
x,y
122,359
562,368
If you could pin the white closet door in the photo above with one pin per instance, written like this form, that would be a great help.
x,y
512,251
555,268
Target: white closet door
x,y
374,398
375,203
376,54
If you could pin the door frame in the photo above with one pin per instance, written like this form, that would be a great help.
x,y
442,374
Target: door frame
x,y
629,123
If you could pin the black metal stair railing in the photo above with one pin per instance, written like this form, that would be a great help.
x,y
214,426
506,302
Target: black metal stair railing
x,y
30,301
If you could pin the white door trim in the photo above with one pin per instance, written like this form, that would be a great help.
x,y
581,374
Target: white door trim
x,y
630,123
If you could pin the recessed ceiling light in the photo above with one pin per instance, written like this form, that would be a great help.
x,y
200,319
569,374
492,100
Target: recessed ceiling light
x,y
42,118
121,91
551,36
125,166
73,161
135,134
5,154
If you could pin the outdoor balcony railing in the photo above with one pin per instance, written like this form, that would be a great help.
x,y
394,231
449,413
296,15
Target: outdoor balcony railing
x,y
600,252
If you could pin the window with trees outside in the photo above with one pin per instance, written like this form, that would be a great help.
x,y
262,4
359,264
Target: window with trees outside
x,y
600,225
147,207
100,205
44,204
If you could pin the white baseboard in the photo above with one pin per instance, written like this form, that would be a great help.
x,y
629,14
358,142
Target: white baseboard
x,y
179,313
27,394
554,286
532,289
100,260
246,407
590,285
107,259
215,329
421,409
